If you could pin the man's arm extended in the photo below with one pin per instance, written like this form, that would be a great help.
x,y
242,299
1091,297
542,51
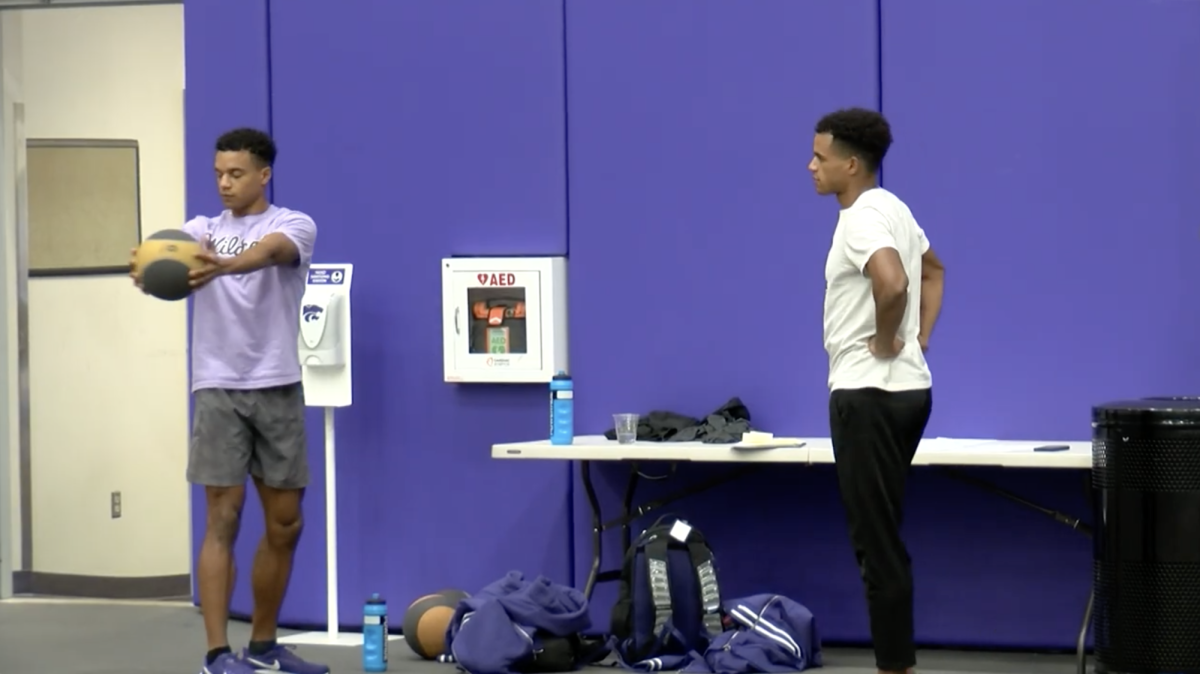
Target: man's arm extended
x,y
933,279
291,244
275,248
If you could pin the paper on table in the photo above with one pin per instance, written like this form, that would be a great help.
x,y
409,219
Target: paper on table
x,y
951,444
772,443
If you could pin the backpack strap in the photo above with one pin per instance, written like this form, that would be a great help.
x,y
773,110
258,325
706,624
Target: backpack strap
x,y
706,581
653,546
660,586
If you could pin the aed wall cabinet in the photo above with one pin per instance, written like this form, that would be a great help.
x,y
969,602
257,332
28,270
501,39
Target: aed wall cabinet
x,y
505,319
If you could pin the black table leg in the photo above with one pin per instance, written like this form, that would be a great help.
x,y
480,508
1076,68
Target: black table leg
x,y
1081,646
1062,518
599,527
585,471
630,489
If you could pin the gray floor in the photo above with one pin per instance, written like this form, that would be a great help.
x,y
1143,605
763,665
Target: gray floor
x,y
66,637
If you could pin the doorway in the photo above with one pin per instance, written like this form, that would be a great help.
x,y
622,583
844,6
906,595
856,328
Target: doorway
x,y
91,465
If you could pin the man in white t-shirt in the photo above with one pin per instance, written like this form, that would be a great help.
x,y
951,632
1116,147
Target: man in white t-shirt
x,y
883,293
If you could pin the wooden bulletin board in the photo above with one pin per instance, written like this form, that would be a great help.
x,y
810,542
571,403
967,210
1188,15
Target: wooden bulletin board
x,y
84,210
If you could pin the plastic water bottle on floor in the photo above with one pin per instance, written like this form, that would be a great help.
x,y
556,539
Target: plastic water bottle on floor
x,y
375,635
562,409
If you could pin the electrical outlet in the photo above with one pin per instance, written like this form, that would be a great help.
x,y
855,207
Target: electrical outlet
x,y
116,504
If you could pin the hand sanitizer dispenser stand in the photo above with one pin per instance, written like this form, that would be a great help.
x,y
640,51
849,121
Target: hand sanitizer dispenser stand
x,y
325,360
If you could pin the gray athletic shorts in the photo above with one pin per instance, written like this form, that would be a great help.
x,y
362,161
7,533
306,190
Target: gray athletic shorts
x,y
259,432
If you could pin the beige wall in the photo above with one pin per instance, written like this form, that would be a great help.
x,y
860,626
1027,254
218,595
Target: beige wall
x,y
10,495
108,369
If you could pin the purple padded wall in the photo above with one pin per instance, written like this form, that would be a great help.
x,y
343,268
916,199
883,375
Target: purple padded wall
x,y
1052,178
412,131
1048,156
226,88
699,245
1054,189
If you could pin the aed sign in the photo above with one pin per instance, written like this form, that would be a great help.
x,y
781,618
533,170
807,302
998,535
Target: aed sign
x,y
497,280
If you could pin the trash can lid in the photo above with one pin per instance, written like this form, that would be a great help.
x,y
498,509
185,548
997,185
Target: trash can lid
x,y
1164,410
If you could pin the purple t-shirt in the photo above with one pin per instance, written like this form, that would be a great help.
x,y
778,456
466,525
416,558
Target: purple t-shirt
x,y
245,327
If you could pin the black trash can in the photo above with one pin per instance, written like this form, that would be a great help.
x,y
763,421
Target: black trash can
x,y
1146,556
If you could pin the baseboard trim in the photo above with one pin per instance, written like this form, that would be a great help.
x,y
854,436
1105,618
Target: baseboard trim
x,y
101,587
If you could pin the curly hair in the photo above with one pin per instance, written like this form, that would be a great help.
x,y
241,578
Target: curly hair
x,y
256,142
863,133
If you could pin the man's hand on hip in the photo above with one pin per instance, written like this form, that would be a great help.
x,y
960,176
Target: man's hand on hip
x,y
878,349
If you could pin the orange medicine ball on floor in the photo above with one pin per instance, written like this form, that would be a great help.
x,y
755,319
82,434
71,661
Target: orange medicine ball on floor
x,y
164,261
426,621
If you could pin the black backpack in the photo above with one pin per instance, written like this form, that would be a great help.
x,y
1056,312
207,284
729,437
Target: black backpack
x,y
668,600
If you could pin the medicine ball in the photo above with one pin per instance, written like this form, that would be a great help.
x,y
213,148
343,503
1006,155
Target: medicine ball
x,y
426,621
163,263
453,594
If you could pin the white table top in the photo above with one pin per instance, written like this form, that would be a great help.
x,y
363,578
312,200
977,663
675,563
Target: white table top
x,y
933,452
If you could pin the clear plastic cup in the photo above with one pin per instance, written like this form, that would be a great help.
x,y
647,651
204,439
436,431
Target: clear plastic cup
x,y
626,426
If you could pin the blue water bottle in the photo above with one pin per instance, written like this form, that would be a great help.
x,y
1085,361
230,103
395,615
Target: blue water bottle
x,y
375,635
562,409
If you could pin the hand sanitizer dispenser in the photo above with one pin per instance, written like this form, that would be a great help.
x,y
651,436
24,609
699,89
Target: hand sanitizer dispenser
x,y
320,329
324,351
324,338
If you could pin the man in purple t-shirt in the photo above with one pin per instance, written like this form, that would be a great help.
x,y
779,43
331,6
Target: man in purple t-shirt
x,y
248,397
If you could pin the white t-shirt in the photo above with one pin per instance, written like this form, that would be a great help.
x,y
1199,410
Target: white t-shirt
x,y
878,219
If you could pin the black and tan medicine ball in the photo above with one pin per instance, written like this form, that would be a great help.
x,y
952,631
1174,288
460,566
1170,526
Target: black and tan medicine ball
x,y
426,620
163,263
